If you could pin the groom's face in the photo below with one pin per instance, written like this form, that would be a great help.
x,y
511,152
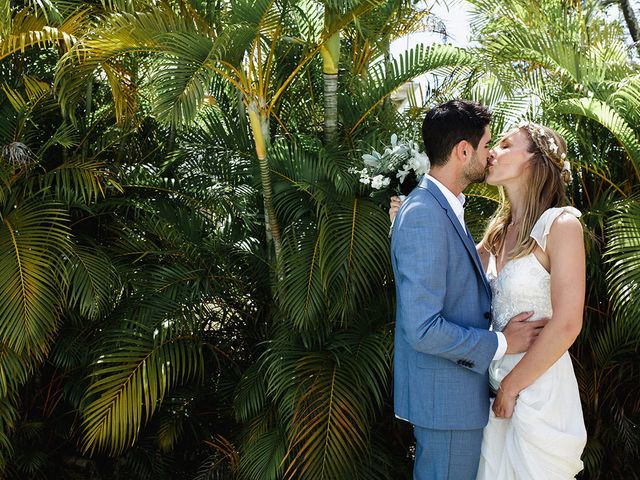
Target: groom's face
x,y
477,165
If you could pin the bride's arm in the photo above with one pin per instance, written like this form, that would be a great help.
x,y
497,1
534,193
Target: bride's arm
x,y
565,249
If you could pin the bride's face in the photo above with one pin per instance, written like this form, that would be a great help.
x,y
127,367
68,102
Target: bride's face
x,y
509,159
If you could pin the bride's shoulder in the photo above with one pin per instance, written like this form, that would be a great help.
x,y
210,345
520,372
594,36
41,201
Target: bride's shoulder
x,y
550,214
565,233
565,224
557,222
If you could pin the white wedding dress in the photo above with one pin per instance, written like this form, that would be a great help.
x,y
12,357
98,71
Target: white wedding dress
x,y
546,435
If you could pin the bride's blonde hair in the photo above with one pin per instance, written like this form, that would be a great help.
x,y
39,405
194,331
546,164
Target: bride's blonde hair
x,y
545,188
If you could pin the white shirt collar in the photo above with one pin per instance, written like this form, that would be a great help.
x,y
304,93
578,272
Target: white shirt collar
x,y
457,203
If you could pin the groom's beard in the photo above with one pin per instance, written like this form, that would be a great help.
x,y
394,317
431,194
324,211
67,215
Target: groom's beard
x,y
475,172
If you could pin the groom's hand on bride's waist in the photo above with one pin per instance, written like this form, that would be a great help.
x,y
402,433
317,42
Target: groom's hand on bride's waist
x,y
521,333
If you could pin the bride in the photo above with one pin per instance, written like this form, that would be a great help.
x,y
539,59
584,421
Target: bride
x,y
533,254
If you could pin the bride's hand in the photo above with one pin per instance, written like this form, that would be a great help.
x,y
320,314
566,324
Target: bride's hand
x,y
394,207
504,404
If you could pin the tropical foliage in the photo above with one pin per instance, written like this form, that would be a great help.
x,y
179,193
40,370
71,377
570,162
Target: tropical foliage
x,y
195,285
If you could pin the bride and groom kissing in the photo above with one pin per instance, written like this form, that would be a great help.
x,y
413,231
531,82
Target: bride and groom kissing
x,y
497,317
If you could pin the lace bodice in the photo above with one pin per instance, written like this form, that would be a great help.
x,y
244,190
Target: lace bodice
x,y
523,284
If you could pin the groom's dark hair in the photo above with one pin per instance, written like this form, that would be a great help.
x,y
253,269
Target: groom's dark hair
x,y
447,124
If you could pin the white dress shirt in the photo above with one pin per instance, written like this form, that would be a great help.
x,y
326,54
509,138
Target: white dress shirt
x,y
457,204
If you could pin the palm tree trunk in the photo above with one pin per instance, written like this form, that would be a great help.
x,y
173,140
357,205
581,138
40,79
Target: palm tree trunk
x,y
259,121
632,21
330,52
330,107
388,65
242,111
87,117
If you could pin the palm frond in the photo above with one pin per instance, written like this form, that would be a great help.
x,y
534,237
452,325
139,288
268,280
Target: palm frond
x,y
261,459
9,415
118,34
78,180
130,381
29,31
339,391
302,292
250,396
34,238
382,81
93,282
65,135
15,369
354,258
607,117
623,257
626,99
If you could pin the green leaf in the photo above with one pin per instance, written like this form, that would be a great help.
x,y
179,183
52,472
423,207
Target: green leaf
x,y
607,117
34,237
139,367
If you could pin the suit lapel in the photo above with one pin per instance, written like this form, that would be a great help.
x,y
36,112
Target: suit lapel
x,y
466,238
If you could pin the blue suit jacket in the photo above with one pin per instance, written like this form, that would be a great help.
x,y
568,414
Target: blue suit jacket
x,y
443,347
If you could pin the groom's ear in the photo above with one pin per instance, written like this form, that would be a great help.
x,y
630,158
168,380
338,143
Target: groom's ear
x,y
462,150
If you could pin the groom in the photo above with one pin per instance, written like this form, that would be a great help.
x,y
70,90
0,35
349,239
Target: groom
x,y
443,345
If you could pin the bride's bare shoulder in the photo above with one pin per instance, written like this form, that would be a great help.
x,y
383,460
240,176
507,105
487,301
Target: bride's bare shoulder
x,y
566,227
566,240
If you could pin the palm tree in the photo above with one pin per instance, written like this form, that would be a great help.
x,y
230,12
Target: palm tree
x,y
109,271
262,52
37,189
310,404
630,18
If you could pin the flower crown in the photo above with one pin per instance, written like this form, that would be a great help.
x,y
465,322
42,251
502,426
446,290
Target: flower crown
x,y
546,144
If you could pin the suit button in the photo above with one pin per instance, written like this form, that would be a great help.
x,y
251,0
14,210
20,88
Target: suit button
x,y
487,315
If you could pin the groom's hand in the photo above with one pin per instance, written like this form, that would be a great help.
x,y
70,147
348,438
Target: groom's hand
x,y
394,207
520,333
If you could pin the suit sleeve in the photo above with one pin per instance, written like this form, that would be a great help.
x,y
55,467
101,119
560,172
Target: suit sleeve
x,y
420,248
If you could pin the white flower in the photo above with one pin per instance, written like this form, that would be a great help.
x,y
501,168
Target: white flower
x,y
552,145
563,156
397,161
379,181
402,174
372,160
420,164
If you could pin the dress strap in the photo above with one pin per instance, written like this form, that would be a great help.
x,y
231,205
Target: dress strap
x,y
542,227
492,268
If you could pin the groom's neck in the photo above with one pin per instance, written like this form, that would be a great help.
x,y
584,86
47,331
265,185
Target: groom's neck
x,y
448,177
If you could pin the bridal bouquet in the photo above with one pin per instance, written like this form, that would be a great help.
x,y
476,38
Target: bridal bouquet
x,y
398,169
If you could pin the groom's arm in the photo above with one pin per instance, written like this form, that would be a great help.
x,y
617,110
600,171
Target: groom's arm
x,y
420,250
